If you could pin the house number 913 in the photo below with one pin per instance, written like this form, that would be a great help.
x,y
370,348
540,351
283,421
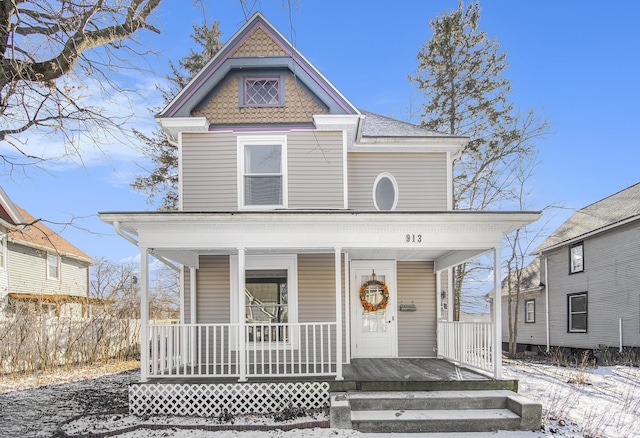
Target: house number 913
x,y
413,238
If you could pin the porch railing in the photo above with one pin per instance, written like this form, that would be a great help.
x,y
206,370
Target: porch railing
x,y
212,350
467,343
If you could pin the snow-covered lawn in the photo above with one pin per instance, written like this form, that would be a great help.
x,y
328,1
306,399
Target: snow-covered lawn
x,y
594,402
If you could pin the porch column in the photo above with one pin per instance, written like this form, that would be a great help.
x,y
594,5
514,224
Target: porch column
x,y
144,314
193,319
438,310
242,350
497,314
338,263
347,308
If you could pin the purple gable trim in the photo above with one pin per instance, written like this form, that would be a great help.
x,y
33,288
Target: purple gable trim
x,y
263,128
232,49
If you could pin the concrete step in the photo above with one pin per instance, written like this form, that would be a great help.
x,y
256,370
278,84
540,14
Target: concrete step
x,y
434,420
422,400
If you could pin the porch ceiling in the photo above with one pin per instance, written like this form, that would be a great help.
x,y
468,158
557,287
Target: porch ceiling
x,y
449,237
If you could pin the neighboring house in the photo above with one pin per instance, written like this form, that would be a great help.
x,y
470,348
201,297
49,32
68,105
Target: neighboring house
x,y
39,270
310,233
586,280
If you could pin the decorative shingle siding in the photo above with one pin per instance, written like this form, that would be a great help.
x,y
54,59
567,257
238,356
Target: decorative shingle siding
x,y
224,108
258,44
209,171
417,330
421,178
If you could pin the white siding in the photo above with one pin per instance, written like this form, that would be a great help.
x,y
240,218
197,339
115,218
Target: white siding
x,y
421,178
417,330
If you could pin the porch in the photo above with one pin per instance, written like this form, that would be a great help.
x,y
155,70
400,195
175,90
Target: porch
x,y
308,350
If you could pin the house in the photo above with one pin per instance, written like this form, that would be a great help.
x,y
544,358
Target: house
x,y
39,270
582,290
312,236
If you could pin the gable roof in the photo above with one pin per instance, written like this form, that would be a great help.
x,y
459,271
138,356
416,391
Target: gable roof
x,y
215,71
37,234
529,278
9,215
612,211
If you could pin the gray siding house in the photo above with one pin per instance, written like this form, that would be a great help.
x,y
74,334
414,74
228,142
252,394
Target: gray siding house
x,y
583,292
39,270
310,234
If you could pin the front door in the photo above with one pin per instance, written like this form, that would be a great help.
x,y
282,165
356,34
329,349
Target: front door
x,y
373,305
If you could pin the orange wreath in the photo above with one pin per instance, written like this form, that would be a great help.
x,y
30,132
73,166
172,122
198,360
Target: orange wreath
x,y
366,305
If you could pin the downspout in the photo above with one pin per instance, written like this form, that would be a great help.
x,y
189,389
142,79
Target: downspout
x,y
116,226
546,292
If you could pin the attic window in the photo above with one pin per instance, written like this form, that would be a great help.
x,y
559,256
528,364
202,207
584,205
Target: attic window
x,y
385,192
259,92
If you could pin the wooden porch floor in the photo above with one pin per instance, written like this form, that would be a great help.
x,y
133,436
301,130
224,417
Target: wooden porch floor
x,y
380,374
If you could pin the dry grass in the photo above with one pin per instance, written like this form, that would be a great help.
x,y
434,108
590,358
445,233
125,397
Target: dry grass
x,y
66,374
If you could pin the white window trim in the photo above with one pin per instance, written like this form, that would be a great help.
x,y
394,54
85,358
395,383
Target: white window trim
x,y
572,269
526,311
49,276
395,188
261,140
284,261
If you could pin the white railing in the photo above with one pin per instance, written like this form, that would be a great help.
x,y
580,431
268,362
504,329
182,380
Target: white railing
x,y
467,343
212,350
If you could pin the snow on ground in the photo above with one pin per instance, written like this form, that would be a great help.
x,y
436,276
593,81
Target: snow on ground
x,y
594,402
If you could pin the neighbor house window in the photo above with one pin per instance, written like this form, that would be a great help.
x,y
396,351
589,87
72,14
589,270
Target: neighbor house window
x,y
262,91
530,311
385,192
576,258
577,312
53,267
262,162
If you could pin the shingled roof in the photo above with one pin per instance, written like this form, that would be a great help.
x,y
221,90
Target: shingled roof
x,y
376,125
40,236
616,209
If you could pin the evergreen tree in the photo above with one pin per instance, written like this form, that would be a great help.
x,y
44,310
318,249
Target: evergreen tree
x,y
162,180
460,73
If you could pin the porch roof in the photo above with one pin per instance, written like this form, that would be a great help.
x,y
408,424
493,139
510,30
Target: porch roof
x,y
447,237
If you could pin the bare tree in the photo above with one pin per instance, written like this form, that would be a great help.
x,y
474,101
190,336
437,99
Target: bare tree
x,y
47,49
117,283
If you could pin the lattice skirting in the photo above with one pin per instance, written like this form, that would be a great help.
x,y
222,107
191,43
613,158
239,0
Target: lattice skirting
x,y
212,400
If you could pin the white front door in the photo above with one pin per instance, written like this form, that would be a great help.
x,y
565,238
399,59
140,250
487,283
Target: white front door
x,y
373,331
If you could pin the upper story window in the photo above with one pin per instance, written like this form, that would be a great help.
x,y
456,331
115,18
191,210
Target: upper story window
x,y
262,91
262,180
576,258
53,267
385,192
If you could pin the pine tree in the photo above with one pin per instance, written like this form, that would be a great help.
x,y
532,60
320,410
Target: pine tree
x,y
460,74
162,180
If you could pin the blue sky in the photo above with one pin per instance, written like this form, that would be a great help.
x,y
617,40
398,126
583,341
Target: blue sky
x,y
577,62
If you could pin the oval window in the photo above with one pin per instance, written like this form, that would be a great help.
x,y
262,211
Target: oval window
x,y
385,192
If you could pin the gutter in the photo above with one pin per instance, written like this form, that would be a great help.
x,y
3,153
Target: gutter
x,y
116,226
